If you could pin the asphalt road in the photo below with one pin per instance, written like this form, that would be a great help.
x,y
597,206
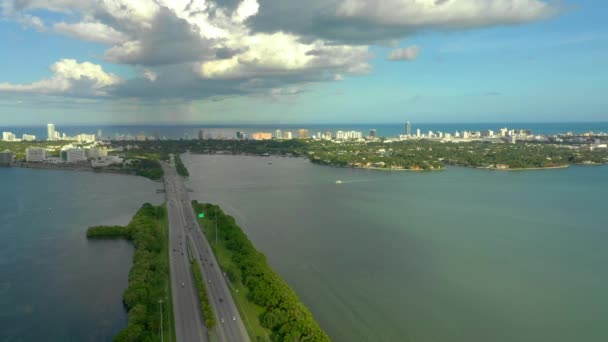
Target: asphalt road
x,y
189,324
230,327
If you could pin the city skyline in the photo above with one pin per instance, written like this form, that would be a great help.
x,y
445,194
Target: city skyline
x,y
455,61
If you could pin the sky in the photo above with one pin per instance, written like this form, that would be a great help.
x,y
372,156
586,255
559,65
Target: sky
x,y
293,61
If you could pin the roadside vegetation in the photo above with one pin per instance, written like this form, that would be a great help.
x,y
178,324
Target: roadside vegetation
x,y
201,288
180,167
149,280
146,168
273,310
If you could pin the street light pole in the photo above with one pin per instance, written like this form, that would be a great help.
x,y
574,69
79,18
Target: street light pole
x,y
160,302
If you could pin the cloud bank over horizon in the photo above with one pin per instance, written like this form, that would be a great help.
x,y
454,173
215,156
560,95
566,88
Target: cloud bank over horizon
x,y
193,50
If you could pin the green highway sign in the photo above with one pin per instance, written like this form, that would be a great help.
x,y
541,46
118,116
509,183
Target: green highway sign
x,y
201,215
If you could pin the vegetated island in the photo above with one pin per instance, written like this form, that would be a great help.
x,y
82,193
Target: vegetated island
x,y
271,309
149,279
415,155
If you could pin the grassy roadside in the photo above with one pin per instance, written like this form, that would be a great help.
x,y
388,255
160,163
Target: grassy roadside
x,y
271,310
149,277
249,312
202,294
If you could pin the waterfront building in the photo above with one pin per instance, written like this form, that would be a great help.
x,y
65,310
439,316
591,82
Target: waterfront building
x,y
278,134
76,155
261,136
201,134
418,132
408,129
35,154
50,132
85,138
6,158
372,133
240,135
97,152
99,134
8,136
512,139
328,135
287,135
28,137
503,131
430,134
303,133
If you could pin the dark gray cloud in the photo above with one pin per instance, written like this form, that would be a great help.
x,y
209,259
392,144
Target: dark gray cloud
x,y
372,21
168,40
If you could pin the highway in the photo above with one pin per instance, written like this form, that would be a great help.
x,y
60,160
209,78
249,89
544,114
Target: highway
x,y
230,327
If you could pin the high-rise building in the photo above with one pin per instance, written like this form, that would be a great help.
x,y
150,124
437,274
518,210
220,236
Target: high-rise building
x,y
99,134
278,134
240,135
50,132
303,133
97,152
201,134
418,132
287,135
328,135
6,158
408,129
35,154
76,155
28,137
261,136
372,133
8,136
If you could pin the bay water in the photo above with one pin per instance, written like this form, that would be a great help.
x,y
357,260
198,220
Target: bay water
x,y
457,255
55,285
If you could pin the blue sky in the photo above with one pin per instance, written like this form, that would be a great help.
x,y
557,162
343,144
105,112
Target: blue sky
x,y
80,64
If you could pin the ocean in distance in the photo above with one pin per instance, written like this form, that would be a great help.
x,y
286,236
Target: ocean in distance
x,y
55,285
459,255
229,131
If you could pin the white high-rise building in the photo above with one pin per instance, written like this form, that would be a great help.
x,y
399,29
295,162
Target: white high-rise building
x,y
50,132
8,136
76,155
278,134
35,154
287,135
28,137
418,132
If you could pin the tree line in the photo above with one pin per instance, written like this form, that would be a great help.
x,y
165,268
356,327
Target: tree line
x,y
201,288
284,314
149,275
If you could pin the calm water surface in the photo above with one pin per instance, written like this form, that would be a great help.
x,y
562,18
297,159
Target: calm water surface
x,y
460,255
54,284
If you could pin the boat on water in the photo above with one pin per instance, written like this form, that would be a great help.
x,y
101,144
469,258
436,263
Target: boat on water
x,y
338,182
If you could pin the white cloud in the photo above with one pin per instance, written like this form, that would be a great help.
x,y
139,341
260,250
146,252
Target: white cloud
x,y
69,78
404,54
91,31
150,75
200,49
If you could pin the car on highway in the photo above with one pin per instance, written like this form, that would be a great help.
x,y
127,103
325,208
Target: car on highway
x,y
222,320
233,318
183,284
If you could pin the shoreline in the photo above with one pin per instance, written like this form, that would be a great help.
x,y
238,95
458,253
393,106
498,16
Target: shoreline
x,y
526,168
72,168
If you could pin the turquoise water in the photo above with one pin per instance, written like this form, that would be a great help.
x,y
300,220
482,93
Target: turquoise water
x,y
54,284
460,255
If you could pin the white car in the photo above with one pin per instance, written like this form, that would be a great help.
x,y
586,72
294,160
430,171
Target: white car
x,y
233,318
183,284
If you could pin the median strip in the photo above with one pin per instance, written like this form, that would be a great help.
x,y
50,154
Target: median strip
x,y
202,295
